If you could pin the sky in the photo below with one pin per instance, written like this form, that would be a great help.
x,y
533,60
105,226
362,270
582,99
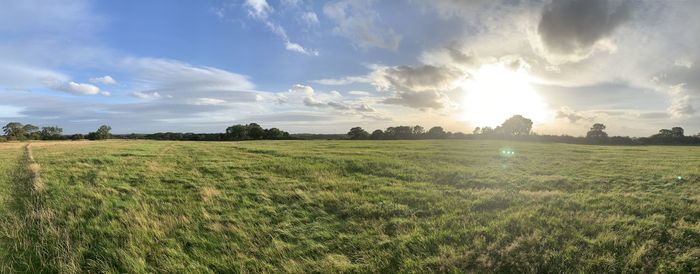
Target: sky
x,y
325,66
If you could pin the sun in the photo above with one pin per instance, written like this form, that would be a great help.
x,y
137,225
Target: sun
x,y
496,92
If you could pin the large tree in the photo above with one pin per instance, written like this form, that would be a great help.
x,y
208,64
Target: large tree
x,y
31,132
102,133
14,131
255,131
357,133
597,131
51,133
237,132
400,132
377,134
677,132
437,133
516,126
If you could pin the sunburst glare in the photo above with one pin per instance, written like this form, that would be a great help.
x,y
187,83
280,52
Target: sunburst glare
x,y
496,92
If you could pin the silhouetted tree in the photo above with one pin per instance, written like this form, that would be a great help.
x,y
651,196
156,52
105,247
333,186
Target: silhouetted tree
x,y
664,133
357,133
76,137
437,133
487,131
418,131
377,135
237,132
400,132
255,131
677,132
597,133
274,134
516,126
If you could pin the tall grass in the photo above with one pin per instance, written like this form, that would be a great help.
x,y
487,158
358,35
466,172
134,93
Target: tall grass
x,y
365,206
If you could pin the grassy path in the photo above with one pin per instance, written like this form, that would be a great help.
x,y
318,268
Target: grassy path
x,y
10,159
31,241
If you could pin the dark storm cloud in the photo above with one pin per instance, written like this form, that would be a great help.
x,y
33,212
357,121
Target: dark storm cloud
x,y
574,26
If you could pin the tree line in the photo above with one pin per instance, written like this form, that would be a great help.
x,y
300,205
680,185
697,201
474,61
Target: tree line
x,y
239,132
520,128
15,131
514,128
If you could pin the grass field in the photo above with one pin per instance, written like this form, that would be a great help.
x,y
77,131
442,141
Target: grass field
x,y
348,206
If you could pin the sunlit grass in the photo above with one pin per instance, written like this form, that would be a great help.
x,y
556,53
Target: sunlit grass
x,y
370,206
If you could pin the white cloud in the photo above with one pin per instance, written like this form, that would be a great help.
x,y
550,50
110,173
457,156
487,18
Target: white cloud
x,y
680,102
258,8
298,48
72,87
299,88
105,80
342,81
358,93
208,101
183,81
146,95
309,18
356,21
10,111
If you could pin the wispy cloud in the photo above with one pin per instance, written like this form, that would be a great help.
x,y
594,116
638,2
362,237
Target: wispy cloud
x,y
357,21
260,10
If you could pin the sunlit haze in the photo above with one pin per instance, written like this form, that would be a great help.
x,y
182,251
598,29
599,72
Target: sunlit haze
x,y
496,92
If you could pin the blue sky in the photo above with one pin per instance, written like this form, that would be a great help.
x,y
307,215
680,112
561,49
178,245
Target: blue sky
x,y
325,66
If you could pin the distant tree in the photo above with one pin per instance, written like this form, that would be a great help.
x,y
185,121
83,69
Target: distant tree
x,y
418,131
51,133
273,134
377,135
597,133
102,133
677,132
76,137
516,126
437,133
14,131
487,131
237,132
400,132
357,133
31,132
664,133
459,135
476,131
255,131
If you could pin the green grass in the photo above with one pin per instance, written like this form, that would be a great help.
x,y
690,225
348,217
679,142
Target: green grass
x,y
358,206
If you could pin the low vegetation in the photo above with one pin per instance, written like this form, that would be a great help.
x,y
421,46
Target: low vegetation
x,y
354,206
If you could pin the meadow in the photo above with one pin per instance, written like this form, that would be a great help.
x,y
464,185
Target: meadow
x,y
348,207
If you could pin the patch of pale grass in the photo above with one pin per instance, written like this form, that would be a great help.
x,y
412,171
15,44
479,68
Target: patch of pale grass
x,y
208,193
